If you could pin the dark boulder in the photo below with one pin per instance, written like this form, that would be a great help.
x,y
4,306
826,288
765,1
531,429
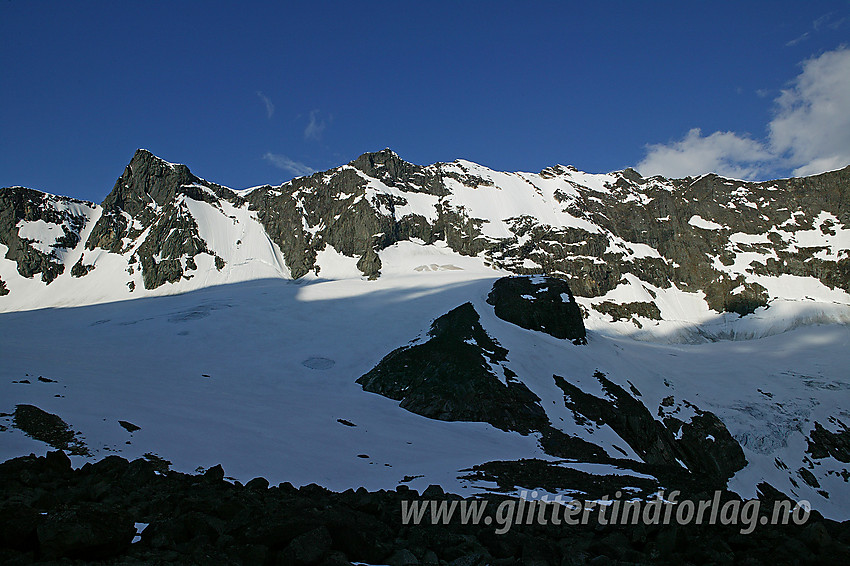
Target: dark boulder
x,y
308,548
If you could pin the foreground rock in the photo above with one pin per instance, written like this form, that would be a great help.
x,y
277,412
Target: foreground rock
x,y
52,513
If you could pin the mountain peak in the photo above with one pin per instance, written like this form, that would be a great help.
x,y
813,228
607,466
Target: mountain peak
x,y
148,177
372,158
145,159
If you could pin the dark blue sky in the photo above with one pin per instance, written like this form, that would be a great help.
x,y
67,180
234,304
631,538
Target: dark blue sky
x,y
511,85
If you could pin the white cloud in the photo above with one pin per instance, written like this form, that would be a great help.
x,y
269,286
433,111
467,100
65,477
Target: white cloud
x,y
287,164
267,101
811,128
724,153
315,128
809,132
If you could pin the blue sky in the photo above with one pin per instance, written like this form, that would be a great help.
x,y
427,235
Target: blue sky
x,y
255,93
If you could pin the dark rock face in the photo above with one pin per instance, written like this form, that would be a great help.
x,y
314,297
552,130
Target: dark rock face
x,y
351,209
703,444
823,443
545,304
626,311
148,182
657,212
48,428
707,446
370,264
629,418
3,289
337,208
452,377
80,269
512,475
18,204
393,171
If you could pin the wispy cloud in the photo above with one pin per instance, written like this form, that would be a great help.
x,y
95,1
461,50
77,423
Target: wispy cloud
x,y
821,21
827,21
819,24
288,165
836,24
797,40
267,101
315,128
808,134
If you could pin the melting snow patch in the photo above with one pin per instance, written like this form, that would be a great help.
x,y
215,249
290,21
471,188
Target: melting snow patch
x,y
42,233
698,222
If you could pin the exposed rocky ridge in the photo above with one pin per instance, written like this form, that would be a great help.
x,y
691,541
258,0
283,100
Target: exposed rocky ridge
x,y
460,374
702,444
629,311
712,235
52,512
336,208
823,443
453,377
145,203
20,205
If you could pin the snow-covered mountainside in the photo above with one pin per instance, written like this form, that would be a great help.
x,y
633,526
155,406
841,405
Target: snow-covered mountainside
x,y
649,257
385,322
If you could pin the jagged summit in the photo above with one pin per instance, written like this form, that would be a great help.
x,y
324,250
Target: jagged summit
x,y
147,178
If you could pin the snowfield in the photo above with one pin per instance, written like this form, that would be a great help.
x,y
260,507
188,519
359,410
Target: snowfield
x,y
258,375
